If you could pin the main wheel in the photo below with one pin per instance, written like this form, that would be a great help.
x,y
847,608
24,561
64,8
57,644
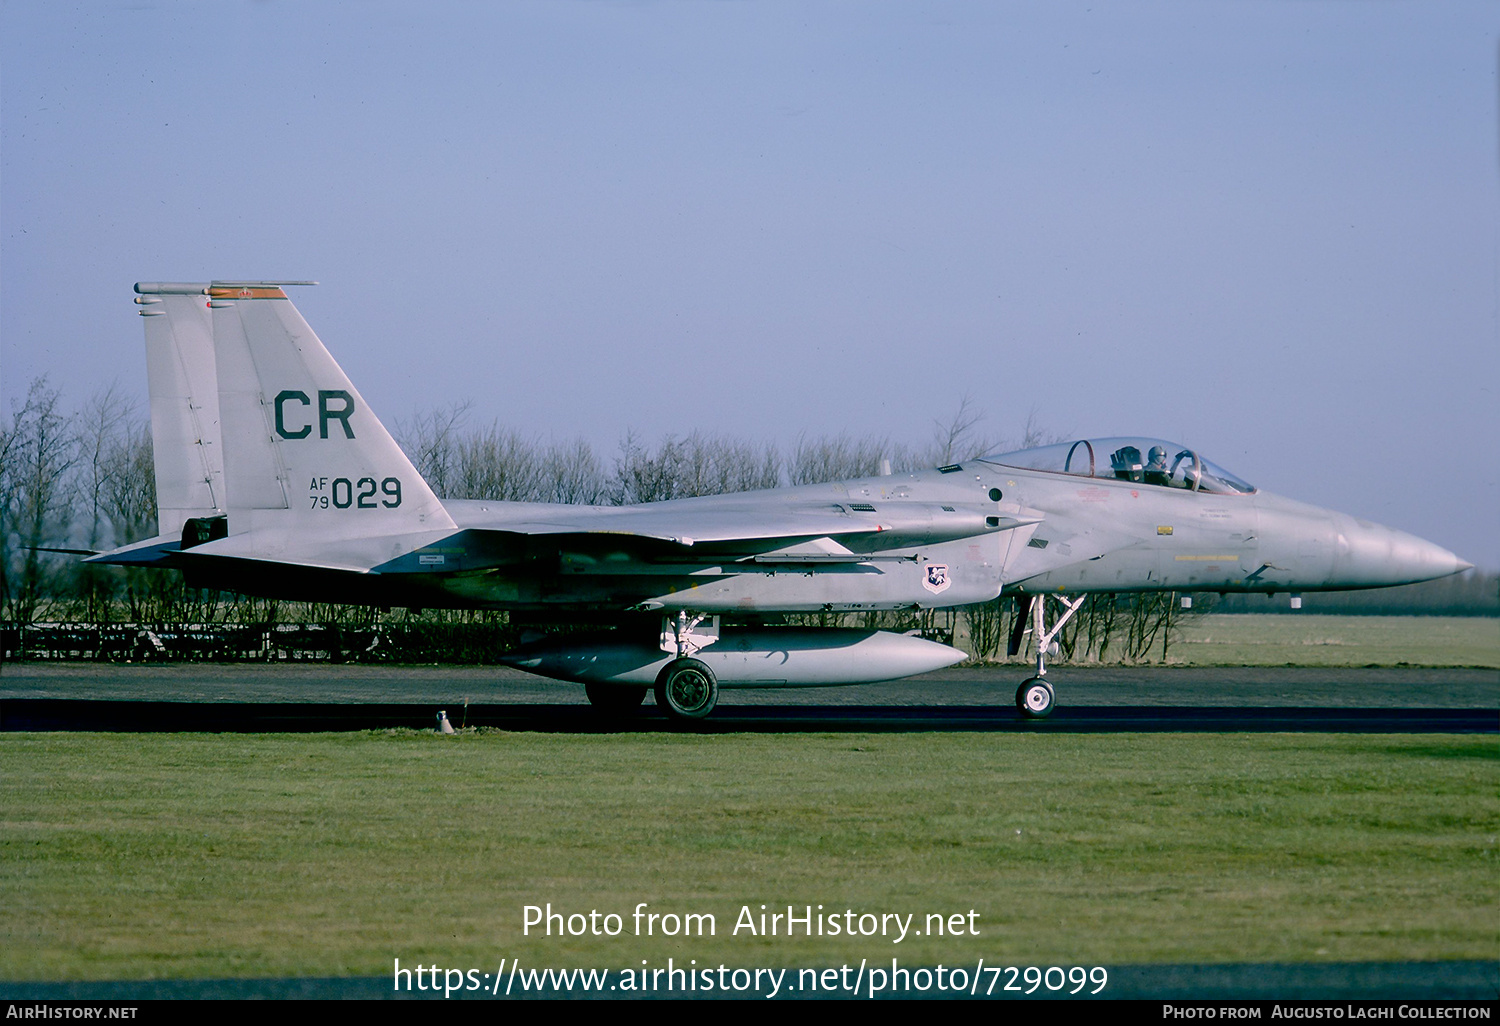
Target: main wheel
x,y
687,689
1034,698
617,699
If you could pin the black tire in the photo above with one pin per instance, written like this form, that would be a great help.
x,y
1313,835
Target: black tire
x,y
1034,698
618,699
686,689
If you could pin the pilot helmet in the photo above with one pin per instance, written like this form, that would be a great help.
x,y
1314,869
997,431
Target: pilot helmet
x,y
1158,454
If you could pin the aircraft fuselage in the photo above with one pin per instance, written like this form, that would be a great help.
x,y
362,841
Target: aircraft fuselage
x,y
946,542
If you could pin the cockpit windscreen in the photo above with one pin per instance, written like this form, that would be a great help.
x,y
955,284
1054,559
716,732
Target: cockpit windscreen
x,y
1148,461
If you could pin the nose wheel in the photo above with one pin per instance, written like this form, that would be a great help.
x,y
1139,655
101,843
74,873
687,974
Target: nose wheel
x,y
1034,698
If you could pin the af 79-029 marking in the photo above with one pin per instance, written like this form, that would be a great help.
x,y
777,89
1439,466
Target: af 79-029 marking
x,y
341,493
247,405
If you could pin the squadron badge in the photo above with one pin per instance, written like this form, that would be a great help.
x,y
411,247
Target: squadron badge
x,y
937,577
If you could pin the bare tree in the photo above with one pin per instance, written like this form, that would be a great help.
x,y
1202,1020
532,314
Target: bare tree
x,y
1033,434
696,465
431,442
573,474
40,455
836,458
101,424
987,627
714,465
10,440
100,427
956,440
130,497
639,476
130,483
498,464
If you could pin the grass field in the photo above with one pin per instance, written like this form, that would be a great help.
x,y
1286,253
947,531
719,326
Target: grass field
x,y
1298,639
135,856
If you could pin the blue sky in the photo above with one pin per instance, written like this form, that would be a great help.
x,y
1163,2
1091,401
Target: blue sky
x,y
1268,230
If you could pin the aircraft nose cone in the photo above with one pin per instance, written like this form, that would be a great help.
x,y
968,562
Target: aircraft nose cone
x,y
1373,556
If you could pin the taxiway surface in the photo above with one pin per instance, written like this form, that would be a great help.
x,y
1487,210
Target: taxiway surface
x,y
320,696
1207,687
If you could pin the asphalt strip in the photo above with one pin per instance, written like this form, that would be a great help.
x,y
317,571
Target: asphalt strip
x,y
47,714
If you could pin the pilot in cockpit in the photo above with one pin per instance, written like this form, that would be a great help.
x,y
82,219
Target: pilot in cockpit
x,y
1156,472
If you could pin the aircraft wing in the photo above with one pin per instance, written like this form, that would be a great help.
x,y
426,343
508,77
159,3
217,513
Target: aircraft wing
x,y
698,527
492,533
769,526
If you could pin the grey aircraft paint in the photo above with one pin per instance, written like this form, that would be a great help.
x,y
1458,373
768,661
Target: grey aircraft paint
x,y
318,502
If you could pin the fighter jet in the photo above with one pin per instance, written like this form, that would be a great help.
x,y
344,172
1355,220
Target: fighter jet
x,y
275,478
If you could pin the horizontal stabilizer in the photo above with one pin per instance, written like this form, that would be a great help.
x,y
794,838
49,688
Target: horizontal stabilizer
x,y
142,553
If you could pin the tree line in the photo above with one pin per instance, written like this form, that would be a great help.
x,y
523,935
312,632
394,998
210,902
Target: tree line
x,y
83,478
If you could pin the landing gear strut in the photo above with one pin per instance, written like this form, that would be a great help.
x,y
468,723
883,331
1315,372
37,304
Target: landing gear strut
x,y
1035,697
686,688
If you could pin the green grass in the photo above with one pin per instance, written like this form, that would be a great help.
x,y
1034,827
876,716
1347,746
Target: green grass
x,y
134,856
1301,639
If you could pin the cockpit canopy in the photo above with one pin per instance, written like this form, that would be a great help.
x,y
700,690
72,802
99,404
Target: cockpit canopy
x,y
1148,461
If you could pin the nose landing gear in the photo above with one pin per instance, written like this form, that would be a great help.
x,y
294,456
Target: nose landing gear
x,y
1035,697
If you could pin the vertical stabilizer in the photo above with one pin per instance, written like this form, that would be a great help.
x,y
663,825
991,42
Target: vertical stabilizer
x,y
185,437
302,449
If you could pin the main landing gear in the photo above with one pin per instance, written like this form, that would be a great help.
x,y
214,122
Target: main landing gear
x,y
1035,697
686,688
